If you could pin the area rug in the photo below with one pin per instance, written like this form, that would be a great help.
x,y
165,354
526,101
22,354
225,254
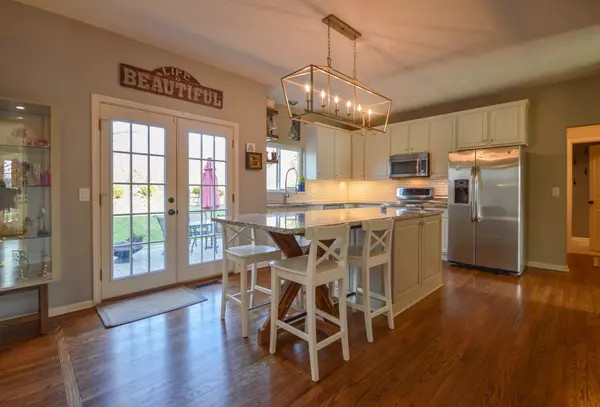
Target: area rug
x,y
149,305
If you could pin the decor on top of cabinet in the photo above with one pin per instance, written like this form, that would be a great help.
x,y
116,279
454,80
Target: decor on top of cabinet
x,y
343,102
294,133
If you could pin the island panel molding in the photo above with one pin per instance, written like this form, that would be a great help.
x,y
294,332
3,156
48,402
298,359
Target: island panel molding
x,y
171,82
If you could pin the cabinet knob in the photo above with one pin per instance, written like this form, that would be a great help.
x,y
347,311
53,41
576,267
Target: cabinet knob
x,y
491,139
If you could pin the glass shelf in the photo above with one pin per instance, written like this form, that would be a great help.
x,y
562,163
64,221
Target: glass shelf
x,y
23,146
26,199
3,239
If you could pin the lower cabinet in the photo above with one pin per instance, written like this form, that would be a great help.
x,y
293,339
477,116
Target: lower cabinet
x,y
445,234
417,260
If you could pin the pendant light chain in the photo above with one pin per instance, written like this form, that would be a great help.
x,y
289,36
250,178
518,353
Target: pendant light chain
x,y
329,45
354,58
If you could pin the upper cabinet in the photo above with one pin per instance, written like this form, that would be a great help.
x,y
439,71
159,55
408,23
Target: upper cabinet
x,y
471,130
358,156
343,155
409,137
499,125
320,147
508,125
377,155
441,142
328,154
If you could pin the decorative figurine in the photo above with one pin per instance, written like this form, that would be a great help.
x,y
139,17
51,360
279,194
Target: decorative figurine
x,y
44,273
42,231
21,261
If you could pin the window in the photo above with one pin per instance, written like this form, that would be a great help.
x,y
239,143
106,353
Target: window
x,y
289,157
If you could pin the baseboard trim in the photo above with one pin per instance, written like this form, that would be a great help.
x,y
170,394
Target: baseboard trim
x,y
547,266
67,309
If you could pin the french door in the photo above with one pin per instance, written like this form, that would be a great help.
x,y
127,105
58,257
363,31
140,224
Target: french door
x,y
162,180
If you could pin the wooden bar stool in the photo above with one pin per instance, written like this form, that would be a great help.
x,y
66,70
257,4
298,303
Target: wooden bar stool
x,y
322,265
375,251
242,256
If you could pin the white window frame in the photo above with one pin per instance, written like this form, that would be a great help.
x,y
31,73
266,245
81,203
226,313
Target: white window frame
x,y
279,147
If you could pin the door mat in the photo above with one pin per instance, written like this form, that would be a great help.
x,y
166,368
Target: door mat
x,y
149,305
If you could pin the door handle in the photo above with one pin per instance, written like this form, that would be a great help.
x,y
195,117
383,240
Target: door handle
x,y
478,217
171,212
472,194
591,202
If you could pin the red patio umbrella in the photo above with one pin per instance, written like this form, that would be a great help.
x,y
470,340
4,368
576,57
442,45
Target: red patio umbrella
x,y
210,192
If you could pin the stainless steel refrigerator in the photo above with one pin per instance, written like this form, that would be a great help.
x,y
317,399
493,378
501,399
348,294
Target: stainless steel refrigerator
x,y
486,224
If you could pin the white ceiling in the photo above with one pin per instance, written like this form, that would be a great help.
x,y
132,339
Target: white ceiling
x,y
416,52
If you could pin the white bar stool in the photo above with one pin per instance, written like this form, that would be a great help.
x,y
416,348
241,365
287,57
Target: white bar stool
x,y
312,271
242,256
375,251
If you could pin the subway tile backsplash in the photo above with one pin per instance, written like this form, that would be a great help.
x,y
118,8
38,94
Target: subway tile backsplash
x,y
362,191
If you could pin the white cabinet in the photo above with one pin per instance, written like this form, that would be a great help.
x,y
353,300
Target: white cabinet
x,y
358,156
441,141
328,154
343,155
499,125
418,136
445,233
507,126
409,137
431,249
471,130
417,260
398,138
377,155
406,257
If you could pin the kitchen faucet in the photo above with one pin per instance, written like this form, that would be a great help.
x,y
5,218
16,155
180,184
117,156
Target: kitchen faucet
x,y
286,194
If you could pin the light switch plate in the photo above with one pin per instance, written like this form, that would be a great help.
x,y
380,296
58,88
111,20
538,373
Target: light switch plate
x,y
555,192
84,194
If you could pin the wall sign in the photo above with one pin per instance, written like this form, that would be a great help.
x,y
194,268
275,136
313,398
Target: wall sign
x,y
172,82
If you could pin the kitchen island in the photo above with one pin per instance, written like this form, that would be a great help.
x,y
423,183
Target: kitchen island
x,y
416,257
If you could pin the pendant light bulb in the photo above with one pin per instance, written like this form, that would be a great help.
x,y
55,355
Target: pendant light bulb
x,y
307,87
336,99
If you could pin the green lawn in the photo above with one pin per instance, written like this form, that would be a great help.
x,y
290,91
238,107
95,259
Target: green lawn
x,y
121,226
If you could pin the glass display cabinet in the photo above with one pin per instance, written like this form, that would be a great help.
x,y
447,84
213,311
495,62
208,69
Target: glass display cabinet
x,y
28,207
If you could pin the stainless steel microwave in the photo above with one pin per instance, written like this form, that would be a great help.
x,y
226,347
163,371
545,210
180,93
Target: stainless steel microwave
x,y
409,165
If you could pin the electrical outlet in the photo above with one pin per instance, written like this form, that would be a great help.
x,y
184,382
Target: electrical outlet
x,y
555,192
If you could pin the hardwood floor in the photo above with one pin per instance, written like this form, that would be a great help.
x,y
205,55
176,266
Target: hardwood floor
x,y
481,340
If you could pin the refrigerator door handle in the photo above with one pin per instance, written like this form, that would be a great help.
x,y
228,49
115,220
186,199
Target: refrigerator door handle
x,y
478,216
472,194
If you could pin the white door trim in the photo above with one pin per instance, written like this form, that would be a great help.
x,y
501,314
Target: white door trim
x,y
96,101
576,135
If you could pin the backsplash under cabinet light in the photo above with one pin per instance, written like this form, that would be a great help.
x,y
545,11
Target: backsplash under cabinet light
x,y
361,191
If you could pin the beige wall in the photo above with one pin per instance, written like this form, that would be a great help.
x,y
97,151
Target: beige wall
x,y
581,190
60,62
553,108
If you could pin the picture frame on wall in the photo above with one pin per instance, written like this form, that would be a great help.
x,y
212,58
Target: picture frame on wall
x,y
254,161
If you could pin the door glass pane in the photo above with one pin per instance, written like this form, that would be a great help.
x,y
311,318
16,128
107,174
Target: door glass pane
x,y
121,136
207,185
138,188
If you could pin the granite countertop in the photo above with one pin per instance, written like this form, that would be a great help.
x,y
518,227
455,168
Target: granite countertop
x,y
297,222
436,203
